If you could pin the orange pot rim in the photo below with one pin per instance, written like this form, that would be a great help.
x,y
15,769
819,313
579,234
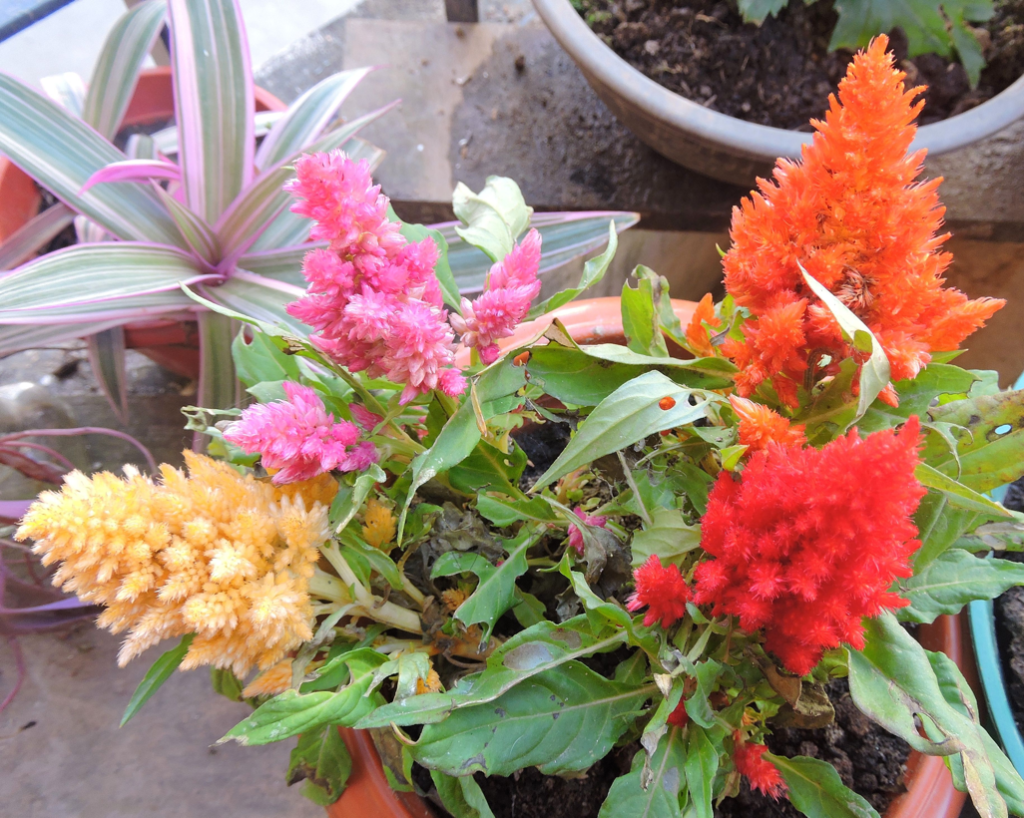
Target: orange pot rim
x,y
930,792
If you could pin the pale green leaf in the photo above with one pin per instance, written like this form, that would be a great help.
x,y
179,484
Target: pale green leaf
x,y
653,792
493,218
667,536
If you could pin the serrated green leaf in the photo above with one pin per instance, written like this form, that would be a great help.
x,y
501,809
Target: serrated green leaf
x,y
158,673
541,647
496,591
627,416
952,580
560,721
992,454
931,26
650,792
493,218
816,789
640,321
291,712
321,760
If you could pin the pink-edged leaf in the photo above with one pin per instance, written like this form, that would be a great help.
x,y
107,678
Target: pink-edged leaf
x,y
62,152
213,98
307,117
83,282
253,211
117,68
107,359
34,235
197,233
284,264
66,89
133,170
260,299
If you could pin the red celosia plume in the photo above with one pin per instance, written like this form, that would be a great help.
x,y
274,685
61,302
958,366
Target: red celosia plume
x,y
853,215
759,771
808,541
663,589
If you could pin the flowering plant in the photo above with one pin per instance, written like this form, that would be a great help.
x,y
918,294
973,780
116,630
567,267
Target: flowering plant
x,y
717,534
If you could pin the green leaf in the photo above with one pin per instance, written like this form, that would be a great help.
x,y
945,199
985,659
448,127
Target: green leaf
x,y
117,68
923,21
62,152
493,218
816,789
541,647
640,321
756,11
496,591
291,712
260,359
650,791
628,415
350,499
593,272
959,495
461,795
561,721
892,681
916,396
218,383
503,511
992,454
668,536
701,768
107,359
874,373
159,673
489,469
226,684
213,102
322,761
940,524
952,580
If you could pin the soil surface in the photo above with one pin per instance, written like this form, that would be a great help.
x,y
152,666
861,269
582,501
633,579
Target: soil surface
x,y
1009,613
781,73
871,761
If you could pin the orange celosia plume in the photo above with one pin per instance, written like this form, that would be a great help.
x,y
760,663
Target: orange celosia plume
x,y
852,214
759,426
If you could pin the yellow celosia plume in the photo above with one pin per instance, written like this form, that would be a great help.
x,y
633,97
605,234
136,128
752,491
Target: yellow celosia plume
x,y
213,553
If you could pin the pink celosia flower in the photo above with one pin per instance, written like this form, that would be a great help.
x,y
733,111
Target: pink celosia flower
x,y
511,285
373,297
576,535
299,437
349,209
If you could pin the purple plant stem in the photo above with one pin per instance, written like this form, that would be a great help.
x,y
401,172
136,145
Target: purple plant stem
x,y
85,430
45,449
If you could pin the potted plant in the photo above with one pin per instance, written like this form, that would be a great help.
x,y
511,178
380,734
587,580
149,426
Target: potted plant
x,y
216,217
545,554
734,150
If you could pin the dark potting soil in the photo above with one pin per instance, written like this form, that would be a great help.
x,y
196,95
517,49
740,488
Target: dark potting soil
x,y
871,761
1009,614
781,73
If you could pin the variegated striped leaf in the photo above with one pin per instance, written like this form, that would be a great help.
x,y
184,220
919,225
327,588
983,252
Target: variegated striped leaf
x,y
213,99
259,298
14,337
307,117
288,229
96,282
284,265
35,234
166,139
117,68
61,153
218,382
67,90
197,233
107,359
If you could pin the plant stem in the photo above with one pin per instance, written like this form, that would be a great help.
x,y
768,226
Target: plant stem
x,y
369,605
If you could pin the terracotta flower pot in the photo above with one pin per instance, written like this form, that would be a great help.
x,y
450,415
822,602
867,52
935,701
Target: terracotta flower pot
x,y
930,792
172,344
